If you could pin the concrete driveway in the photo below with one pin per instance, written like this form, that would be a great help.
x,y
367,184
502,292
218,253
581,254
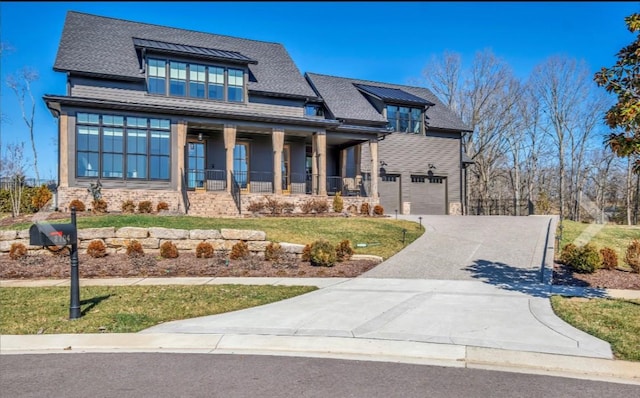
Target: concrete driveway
x,y
468,281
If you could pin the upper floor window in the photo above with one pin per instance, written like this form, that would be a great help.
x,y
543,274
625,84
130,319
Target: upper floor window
x,y
313,110
404,119
195,80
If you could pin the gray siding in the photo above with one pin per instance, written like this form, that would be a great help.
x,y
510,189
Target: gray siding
x,y
136,93
408,154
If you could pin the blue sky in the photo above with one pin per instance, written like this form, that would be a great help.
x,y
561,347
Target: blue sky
x,y
380,41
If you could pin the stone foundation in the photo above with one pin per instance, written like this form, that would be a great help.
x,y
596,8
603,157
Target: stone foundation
x,y
349,202
455,208
115,198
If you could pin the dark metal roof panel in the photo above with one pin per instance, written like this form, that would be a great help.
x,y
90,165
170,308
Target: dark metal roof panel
x,y
389,94
233,56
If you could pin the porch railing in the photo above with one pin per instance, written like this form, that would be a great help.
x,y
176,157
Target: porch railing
x,y
235,192
185,196
216,180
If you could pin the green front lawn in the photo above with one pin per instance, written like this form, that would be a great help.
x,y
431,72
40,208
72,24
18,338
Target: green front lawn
x,y
126,309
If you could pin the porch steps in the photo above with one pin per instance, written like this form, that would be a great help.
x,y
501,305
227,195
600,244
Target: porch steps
x,y
212,204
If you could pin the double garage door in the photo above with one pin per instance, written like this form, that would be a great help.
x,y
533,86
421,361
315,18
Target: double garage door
x,y
427,194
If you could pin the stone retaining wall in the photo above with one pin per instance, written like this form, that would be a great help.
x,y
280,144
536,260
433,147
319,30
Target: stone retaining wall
x,y
116,240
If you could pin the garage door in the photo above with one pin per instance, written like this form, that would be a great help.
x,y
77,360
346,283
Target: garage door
x,y
428,194
389,190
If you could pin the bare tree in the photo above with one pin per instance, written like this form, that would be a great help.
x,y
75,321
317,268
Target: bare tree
x,y
13,171
561,84
20,83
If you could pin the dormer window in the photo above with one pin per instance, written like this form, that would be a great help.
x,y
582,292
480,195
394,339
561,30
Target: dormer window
x,y
181,79
314,110
404,119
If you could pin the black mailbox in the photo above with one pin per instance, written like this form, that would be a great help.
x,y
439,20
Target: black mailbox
x,y
53,235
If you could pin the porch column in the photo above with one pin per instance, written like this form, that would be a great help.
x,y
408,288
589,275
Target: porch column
x,y
343,163
314,164
63,151
181,133
229,145
322,163
357,156
373,149
277,139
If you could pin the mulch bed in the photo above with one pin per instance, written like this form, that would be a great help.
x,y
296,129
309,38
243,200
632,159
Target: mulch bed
x,y
602,278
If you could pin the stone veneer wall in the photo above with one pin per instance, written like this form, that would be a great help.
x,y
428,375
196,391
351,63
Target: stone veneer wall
x,y
299,200
151,239
115,198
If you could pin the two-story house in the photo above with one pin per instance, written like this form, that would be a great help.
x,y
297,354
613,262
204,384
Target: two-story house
x,y
207,123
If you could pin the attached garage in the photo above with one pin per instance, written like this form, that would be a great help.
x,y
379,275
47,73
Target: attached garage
x,y
428,194
389,191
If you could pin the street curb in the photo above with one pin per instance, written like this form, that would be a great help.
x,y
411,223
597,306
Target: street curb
x,y
409,352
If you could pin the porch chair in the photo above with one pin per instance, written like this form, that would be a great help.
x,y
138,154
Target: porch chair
x,y
351,186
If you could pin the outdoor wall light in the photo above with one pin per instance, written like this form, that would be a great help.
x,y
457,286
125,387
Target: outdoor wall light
x,y
199,136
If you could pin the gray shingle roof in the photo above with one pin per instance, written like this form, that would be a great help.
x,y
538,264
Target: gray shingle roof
x,y
104,46
345,101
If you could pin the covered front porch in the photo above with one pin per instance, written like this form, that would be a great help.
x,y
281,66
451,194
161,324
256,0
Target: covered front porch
x,y
253,160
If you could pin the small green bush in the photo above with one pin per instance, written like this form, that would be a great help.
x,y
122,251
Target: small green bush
x,y
145,206
134,249
128,206
338,203
632,256
344,251
204,250
567,253
162,206
609,258
168,250
239,251
96,248
323,254
586,260
273,252
17,251
78,204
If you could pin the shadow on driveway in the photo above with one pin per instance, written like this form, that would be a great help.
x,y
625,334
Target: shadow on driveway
x,y
527,281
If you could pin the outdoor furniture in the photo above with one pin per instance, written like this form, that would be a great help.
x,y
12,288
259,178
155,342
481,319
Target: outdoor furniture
x,y
351,186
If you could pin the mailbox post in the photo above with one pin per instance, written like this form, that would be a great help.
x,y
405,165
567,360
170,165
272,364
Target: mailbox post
x,y
62,235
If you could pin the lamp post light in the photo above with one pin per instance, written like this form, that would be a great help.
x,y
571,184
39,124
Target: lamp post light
x,y
420,219
396,214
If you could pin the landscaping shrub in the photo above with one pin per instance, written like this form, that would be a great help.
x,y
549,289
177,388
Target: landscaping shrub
x,y
99,206
162,206
338,203
204,250
568,252
632,256
307,206
41,197
168,250
320,206
353,209
306,253
128,206
145,206
273,252
78,204
323,254
273,205
609,258
586,260
255,207
344,251
134,249
378,210
17,251
288,207
364,209
239,251
96,248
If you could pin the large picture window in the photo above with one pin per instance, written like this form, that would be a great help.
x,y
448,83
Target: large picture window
x,y
115,147
195,80
404,119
